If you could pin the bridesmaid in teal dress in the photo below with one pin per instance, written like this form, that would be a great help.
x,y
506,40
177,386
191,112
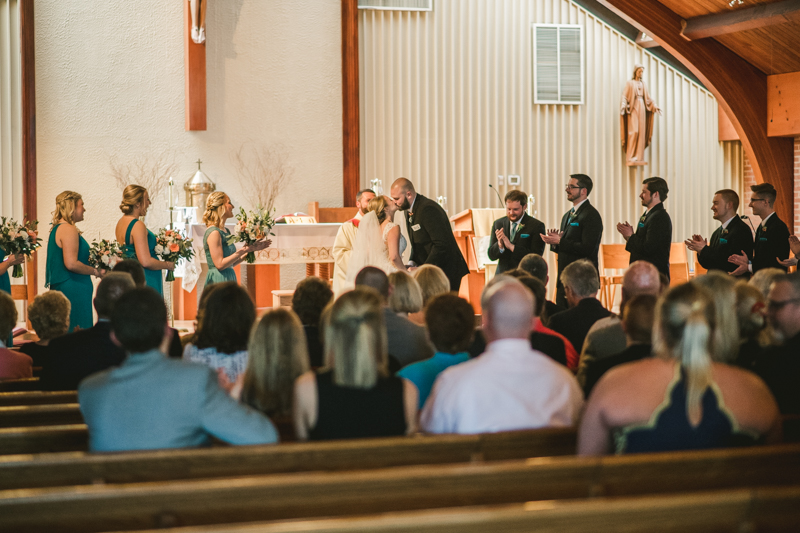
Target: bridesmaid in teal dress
x,y
67,257
138,242
5,280
221,256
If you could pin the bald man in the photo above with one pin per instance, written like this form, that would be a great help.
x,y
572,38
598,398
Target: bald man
x,y
432,240
510,386
607,336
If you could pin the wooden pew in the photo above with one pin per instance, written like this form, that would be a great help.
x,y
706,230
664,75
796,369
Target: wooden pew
x,y
23,384
62,414
319,494
762,509
47,470
37,398
44,439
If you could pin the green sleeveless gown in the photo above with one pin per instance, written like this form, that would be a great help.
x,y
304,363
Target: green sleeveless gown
x,y
152,277
215,275
77,288
5,286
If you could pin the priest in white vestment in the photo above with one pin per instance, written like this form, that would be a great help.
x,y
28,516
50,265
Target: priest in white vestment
x,y
345,237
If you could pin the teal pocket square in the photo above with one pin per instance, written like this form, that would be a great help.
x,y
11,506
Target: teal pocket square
x,y
525,235
574,224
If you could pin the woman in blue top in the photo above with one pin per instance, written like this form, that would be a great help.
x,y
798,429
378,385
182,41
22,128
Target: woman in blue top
x,y
67,256
5,281
221,256
137,241
684,398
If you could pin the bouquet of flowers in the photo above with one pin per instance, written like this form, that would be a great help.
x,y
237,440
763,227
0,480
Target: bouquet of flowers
x,y
104,254
251,227
172,246
16,238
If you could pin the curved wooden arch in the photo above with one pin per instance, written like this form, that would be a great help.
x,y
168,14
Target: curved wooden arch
x,y
740,88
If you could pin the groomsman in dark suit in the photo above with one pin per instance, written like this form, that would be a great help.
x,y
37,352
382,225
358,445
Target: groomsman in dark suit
x,y
516,235
731,237
652,238
580,232
772,236
432,239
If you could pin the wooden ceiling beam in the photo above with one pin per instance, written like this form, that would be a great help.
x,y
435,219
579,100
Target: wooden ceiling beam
x,y
739,87
740,20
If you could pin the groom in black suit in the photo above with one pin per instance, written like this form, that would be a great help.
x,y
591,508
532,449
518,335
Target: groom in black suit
x,y
771,247
580,232
516,235
432,239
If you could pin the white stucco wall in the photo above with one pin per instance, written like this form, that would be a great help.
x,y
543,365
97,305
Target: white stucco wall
x,y
110,83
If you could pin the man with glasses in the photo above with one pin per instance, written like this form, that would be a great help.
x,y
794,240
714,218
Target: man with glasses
x,y
580,232
771,247
780,366
733,236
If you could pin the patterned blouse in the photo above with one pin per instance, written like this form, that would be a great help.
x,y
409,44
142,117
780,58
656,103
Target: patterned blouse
x,y
232,363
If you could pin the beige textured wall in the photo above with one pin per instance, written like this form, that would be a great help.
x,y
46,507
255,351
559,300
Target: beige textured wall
x,y
447,101
10,114
110,83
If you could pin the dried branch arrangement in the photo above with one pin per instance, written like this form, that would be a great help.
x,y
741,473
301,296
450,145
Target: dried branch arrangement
x,y
262,172
150,171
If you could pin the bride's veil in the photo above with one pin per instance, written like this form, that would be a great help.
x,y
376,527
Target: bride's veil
x,y
368,248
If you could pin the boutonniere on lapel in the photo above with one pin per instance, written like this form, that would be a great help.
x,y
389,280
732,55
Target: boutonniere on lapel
x,y
722,236
642,219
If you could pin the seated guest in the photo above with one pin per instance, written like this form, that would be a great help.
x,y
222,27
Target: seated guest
x,y
13,365
152,401
408,342
508,387
637,321
310,297
581,284
751,310
354,396
49,316
780,366
73,357
762,279
406,296
684,398
433,282
723,287
451,322
136,270
606,337
277,356
223,330
543,339
536,266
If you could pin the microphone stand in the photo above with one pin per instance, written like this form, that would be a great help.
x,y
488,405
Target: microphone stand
x,y
498,195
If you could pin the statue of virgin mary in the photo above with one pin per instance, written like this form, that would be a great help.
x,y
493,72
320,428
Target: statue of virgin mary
x,y
637,111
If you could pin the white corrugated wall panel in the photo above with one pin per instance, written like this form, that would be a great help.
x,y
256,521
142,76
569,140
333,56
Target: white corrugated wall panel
x,y
447,101
10,112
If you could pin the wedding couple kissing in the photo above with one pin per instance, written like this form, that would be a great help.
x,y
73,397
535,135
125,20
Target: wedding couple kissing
x,y
373,239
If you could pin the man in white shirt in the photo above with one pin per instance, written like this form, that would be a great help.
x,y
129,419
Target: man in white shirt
x,y
508,387
345,237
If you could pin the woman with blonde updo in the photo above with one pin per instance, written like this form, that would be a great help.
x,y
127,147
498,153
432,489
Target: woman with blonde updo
x,y
137,241
67,257
379,242
687,397
220,255
354,395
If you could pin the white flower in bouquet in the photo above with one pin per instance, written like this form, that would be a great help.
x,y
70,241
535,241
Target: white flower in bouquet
x,y
159,249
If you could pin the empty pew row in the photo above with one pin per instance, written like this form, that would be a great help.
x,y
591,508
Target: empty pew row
x,y
37,398
326,494
46,470
23,384
60,414
762,509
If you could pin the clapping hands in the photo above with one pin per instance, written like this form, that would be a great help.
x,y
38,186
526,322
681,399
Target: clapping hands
x,y
696,243
553,236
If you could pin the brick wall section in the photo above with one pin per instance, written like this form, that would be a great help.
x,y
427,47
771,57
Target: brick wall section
x,y
797,186
750,179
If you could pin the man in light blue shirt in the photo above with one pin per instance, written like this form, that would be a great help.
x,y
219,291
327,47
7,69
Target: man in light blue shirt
x,y
152,402
451,325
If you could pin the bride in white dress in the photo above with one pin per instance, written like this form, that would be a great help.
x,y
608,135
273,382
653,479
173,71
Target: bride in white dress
x,y
379,242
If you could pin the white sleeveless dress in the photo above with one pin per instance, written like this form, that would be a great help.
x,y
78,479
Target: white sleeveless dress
x,y
389,268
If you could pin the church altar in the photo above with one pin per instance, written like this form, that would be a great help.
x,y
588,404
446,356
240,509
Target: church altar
x,y
291,243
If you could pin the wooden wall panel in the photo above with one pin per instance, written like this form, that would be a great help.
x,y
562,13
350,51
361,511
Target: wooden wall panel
x,y
783,101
